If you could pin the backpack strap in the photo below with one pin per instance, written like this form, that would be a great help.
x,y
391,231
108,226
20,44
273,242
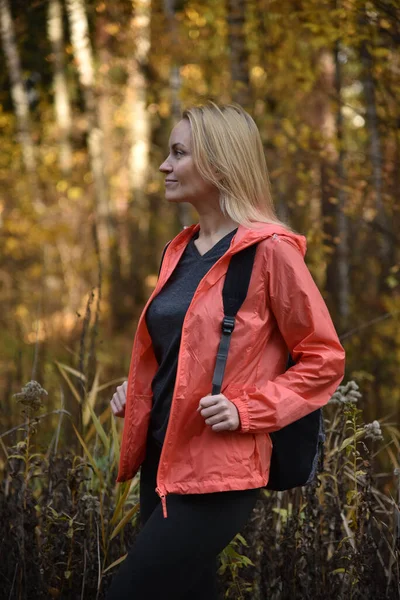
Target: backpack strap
x,y
235,289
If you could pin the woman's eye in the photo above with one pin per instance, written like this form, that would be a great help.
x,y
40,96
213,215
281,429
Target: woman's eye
x,y
178,153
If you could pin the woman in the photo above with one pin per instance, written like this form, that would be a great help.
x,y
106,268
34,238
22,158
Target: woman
x,y
204,457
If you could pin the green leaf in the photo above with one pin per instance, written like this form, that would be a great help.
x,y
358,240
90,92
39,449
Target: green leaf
x,y
241,539
350,495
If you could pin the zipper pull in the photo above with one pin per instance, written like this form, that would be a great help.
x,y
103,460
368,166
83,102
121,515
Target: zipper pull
x,y
163,502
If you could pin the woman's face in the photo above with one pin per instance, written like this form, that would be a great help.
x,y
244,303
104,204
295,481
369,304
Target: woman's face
x,y
183,183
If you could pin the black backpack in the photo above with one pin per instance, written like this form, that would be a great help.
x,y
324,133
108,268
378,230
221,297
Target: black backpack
x,y
297,448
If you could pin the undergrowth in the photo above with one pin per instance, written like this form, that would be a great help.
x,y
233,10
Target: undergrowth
x,y
66,525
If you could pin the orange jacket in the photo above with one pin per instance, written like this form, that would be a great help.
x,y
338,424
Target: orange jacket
x,y
283,310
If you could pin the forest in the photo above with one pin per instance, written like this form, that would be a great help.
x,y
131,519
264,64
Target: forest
x,y
89,93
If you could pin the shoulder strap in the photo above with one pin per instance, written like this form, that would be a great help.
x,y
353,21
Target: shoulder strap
x,y
234,293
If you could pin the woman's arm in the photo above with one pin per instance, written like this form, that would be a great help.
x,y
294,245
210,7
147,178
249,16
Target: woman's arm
x,y
307,328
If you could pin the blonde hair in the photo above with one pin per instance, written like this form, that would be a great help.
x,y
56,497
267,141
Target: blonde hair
x,y
228,152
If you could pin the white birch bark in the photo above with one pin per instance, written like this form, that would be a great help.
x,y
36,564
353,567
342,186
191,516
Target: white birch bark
x,y
137,103
20,102
61,98
139,141
84,56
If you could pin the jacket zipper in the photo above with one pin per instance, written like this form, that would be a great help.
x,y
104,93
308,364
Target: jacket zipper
x,y
163,502
160,489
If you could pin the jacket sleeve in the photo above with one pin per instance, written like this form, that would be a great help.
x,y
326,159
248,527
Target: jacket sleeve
x,y
306,327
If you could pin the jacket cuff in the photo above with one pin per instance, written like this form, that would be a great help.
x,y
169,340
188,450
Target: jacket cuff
x,y
243,413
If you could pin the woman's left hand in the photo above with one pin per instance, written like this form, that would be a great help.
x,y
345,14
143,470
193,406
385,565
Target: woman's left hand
x,y
219,412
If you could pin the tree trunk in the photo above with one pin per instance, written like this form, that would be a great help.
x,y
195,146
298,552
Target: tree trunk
x,y
61,98
343,292
20,102
183,209
109,95
238,53
333,222
375,155
139,157
84,58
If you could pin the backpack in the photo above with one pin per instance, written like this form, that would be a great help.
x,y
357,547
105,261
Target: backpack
x,y
297,449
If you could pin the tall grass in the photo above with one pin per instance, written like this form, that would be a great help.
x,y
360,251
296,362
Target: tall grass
x,y
66,525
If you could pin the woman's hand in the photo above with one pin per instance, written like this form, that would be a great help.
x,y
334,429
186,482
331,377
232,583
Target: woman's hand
x,y
119,400
219,412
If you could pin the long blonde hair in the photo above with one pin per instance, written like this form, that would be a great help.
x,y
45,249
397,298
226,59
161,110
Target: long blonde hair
x,y
228,152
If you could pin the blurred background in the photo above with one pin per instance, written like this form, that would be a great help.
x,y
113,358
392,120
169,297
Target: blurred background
x,y
89,92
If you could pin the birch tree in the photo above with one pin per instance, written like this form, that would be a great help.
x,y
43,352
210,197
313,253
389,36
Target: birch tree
x,y
20,103
140,132
84,57
61,99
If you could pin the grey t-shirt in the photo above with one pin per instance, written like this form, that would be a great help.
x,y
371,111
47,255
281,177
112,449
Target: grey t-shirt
x,y
164,320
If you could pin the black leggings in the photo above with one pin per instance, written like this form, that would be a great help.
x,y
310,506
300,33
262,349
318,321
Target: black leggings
x,y
176,558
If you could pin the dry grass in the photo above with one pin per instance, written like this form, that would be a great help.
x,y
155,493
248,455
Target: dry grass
x,y
65,523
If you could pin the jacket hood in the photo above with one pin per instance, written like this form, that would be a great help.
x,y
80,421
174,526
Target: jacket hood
x,y
246,236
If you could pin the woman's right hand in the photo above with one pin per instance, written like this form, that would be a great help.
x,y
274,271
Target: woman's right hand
x,y
119,400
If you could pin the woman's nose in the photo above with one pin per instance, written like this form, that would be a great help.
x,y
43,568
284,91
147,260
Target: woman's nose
x,y
165,167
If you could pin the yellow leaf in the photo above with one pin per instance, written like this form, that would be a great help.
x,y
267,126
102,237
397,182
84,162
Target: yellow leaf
x,y
102,418
112,382
90,457
115,437
69,382
125,520
121,502
116,562
101,433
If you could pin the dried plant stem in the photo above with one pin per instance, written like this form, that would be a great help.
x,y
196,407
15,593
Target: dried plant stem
x,y
53,412
59,421
99,560
84,569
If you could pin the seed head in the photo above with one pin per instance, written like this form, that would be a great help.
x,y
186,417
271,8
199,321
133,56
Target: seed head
x,y
346,394
31,395
373,431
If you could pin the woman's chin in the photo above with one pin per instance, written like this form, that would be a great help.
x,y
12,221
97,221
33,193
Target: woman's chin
x,y
174,199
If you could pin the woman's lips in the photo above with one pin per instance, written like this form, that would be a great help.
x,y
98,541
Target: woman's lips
x,y
170,182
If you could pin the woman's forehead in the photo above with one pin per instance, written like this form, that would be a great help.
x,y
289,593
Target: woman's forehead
x,y
181,134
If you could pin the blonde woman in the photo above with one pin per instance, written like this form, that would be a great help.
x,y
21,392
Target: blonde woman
x,y
205,457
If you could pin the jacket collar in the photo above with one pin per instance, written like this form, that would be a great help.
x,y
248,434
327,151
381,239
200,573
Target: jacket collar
x,y
244,236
